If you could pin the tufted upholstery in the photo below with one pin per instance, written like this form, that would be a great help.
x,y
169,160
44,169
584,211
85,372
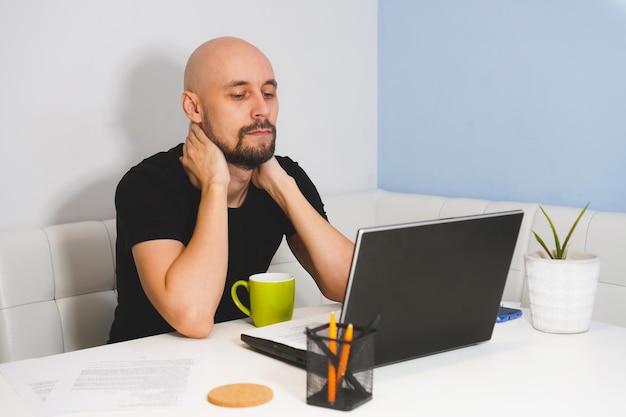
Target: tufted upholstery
x,y
57,283
56,288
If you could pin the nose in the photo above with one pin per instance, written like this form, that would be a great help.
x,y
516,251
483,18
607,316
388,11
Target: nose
x,y
260,107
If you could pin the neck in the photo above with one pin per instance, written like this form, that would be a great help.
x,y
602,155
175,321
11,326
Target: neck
x,y
238,186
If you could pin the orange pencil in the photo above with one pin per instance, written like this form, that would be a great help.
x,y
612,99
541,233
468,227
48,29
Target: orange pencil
x,y
332,346
345,353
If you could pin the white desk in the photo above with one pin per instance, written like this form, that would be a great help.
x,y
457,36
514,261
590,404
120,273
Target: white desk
x,y
521,371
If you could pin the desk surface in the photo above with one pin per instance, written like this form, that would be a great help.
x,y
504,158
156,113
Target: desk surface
x,y
520,371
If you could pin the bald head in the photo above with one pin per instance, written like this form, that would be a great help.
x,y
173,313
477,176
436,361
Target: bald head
x,y
221,60
230,92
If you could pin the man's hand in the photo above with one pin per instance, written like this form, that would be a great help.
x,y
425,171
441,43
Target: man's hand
x,y
269,175
202,160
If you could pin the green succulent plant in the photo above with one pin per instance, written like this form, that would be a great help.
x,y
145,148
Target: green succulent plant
x,y
560,250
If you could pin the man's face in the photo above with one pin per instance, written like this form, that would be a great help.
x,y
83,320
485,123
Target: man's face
x,y
245,153
241,108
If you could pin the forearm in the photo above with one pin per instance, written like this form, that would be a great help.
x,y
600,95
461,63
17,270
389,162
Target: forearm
x,y
190,292
322,249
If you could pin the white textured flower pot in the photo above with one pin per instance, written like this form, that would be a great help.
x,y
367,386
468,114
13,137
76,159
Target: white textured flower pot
x,y
562,292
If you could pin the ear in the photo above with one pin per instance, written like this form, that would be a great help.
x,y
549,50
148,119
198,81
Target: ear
x,y
192,107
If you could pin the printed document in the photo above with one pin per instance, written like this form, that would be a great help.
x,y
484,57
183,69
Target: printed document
x,y
70,384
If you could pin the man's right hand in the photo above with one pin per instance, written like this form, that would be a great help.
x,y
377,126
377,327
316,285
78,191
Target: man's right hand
x,y
202,160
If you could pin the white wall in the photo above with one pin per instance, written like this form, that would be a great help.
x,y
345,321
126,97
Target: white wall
x,y
88,89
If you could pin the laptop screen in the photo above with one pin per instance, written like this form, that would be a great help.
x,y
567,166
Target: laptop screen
x,y
436,285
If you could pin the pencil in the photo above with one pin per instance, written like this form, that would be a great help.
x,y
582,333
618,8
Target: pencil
x,y
332,346
345,353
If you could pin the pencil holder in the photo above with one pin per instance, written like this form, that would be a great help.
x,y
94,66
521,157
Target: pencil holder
x,y
342,380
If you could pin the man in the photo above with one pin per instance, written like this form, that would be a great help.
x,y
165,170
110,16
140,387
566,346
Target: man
x,y
194,219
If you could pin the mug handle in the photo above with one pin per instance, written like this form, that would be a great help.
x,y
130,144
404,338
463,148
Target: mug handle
x,y
233,294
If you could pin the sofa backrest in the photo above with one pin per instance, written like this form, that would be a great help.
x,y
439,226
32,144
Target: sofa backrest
x,y
57,288
598,232
57,283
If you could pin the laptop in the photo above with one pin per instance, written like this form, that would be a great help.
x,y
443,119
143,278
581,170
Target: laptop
x,y
434,286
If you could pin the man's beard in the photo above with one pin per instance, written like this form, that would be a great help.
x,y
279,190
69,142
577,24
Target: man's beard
x,y
249,157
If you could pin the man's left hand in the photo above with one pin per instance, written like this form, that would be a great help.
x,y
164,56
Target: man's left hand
x,y
269,175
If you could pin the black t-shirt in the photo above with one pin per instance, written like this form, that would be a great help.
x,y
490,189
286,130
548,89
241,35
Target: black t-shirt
x,y
156,200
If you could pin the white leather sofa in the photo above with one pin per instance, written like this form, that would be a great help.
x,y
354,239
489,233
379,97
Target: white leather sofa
x,y
57,283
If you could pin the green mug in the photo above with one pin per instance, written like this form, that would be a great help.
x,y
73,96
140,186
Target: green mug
x,y
272,297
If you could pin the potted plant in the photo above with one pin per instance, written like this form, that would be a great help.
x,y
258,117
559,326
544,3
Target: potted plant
x,y
561,283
